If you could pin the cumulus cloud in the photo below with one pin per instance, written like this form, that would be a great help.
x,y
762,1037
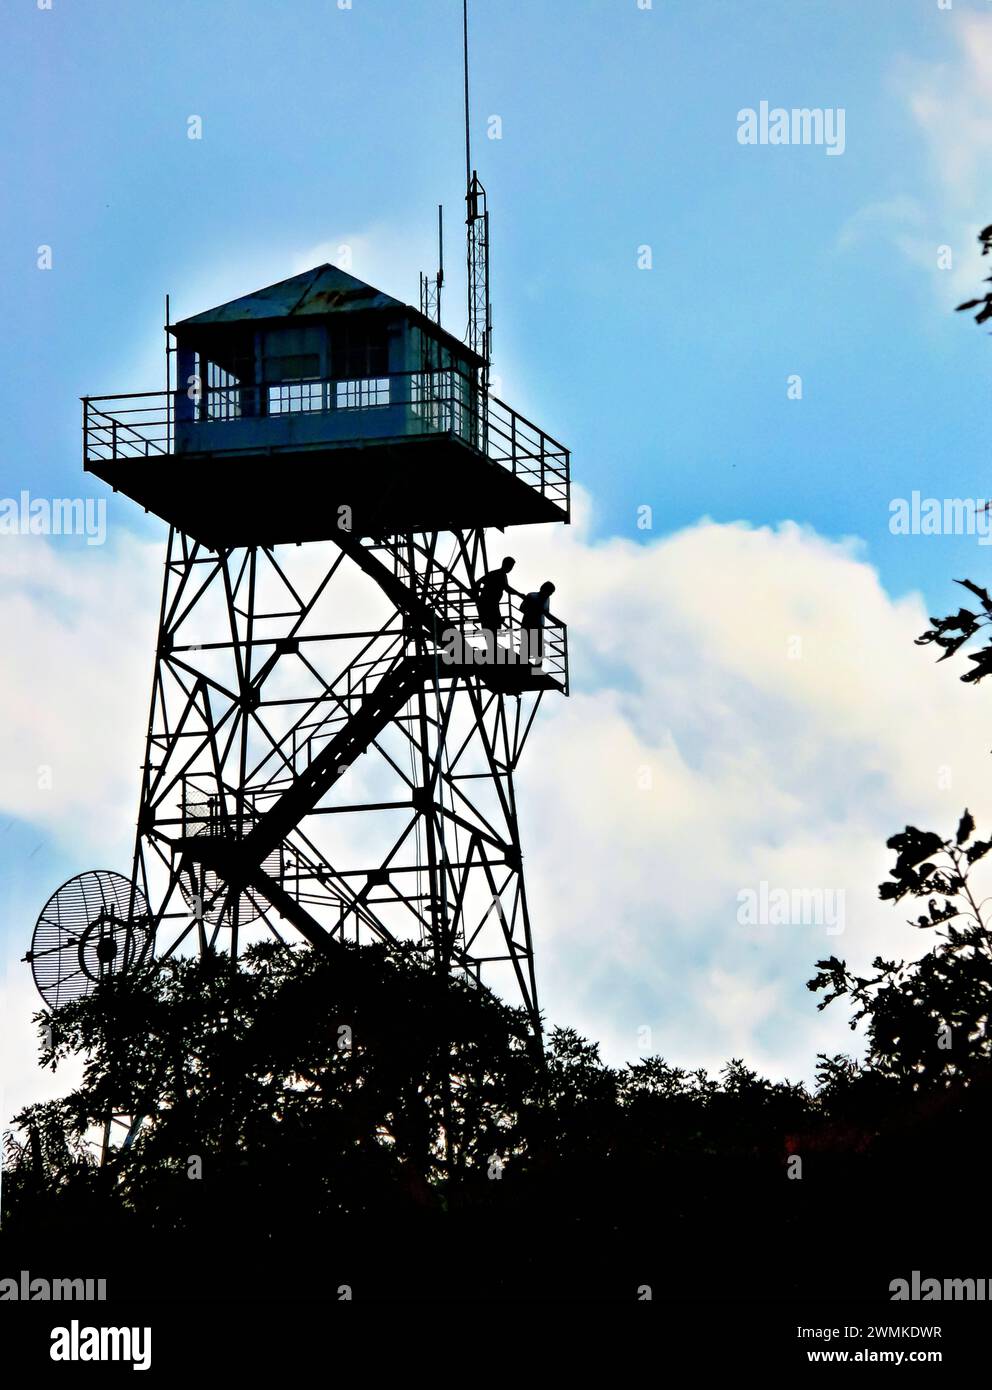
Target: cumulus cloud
x,y
748,707
80,626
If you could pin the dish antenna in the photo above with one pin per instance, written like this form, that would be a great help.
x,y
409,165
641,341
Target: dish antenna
x,y
97,924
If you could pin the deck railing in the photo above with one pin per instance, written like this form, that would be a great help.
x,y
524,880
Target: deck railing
x,y
404,405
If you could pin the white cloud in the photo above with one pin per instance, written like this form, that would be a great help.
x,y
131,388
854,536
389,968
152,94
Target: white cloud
x,y
80,626
948,104
763,767
22,1080
698,756
79,623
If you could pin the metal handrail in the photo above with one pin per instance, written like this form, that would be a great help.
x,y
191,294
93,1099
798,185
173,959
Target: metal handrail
x,y
146,423
358,677
457,608
355,680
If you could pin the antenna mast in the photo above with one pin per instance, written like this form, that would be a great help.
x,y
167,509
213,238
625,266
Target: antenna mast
x,y
480,326
430,290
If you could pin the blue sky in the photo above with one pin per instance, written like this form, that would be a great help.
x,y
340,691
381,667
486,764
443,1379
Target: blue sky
x,y
619,129
324,126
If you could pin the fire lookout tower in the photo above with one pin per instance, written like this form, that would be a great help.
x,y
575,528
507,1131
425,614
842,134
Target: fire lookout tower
x,y
332,735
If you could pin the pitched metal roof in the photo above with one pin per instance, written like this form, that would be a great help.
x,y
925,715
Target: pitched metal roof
x,y
324,290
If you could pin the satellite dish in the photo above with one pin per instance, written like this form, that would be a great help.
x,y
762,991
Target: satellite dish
x,y
97,924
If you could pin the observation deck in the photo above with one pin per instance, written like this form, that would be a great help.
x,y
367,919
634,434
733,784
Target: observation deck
x,y
261,465
318,405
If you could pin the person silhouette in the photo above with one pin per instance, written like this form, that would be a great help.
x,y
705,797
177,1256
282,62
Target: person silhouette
x,y
534,608
489,593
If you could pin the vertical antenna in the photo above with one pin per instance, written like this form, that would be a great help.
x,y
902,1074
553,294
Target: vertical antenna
x,y
430,290
168,381
480,324
440,257
468,135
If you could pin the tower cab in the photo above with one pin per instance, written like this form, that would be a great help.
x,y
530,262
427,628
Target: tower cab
x,y
319,404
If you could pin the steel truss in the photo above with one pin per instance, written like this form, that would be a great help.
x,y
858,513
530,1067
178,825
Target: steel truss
x,y
320,763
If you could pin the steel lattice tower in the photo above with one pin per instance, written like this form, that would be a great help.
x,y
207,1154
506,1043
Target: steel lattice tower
x,y
332,738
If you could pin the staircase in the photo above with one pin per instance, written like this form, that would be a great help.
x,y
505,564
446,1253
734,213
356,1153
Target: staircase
x,y
366,697
437,601
395,687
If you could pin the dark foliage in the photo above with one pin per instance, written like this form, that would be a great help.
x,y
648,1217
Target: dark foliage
x,y
984,304
316,1119
927,1019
